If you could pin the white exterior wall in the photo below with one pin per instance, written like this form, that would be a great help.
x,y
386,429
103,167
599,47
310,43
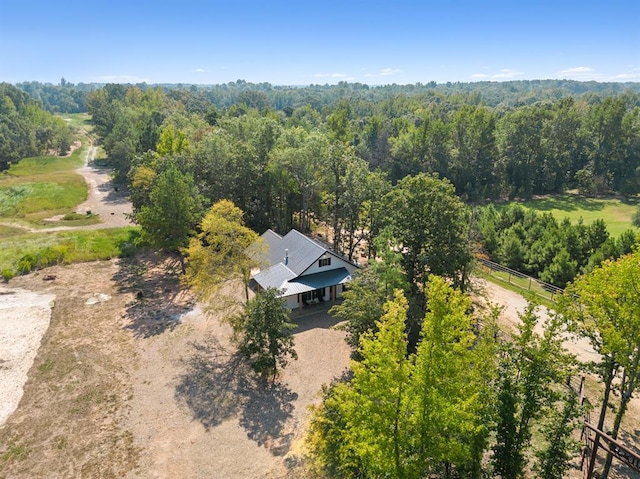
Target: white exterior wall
x,y
292,301
336,263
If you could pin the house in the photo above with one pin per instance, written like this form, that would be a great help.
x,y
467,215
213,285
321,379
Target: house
x,y
305,271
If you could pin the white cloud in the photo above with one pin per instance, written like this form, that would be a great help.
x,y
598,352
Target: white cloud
x,y
581,74
199,70
384,72
576,71
625,77
630,75
331,75
504,74
120,79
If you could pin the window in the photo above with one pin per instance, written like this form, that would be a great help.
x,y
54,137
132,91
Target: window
x,y
324,262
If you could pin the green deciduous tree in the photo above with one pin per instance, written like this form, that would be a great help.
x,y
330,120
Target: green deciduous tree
x,y
411,416
263,333
532,370
429,226
449,386
174,208
604,307
224,251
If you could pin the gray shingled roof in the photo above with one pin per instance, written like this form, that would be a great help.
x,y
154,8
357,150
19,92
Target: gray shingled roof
x,y
274,277
302,251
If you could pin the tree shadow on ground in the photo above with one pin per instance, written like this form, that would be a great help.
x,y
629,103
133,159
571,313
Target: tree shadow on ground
x,y
619,468
317,317
565,203
158,300
217,385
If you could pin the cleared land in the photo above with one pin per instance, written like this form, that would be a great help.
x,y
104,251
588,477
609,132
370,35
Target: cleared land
x,y
616,212
133,380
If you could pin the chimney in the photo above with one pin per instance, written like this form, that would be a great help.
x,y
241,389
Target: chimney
x,y
286,256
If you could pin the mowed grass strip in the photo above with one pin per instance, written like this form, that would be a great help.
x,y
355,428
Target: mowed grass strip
x,y
42,184
78,120
17,251
615,212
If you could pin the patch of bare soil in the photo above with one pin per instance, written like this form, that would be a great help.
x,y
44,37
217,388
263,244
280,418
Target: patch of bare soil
x,y
133,380
70,420
24,318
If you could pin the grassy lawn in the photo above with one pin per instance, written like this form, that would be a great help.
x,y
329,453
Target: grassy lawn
x,y
77,120
18,249
41,187
615,212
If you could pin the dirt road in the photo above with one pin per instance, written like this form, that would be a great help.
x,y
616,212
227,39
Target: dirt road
x,y
514,304
112,206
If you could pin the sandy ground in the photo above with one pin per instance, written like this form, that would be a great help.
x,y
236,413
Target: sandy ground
x,y
514,304
134,380
24,318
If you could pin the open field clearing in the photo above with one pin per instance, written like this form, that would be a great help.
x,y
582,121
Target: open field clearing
x,y
616,212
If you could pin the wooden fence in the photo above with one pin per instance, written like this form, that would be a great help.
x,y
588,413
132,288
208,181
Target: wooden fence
x,y
520,280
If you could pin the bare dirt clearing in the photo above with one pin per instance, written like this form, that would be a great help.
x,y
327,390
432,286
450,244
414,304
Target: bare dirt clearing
x,y
19,341
131,381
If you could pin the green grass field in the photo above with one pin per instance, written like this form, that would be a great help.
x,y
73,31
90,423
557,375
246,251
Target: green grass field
x,y
78,120
36,250
615,212
41,187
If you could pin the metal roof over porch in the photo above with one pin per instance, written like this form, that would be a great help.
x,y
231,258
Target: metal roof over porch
x,y
315,281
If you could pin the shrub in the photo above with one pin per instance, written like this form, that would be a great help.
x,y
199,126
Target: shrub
x,y
27,263
7,274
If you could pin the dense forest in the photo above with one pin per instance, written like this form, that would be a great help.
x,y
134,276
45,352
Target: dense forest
x,y
26,129
299,156
67,97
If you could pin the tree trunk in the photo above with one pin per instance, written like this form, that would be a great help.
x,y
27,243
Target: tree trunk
x,y
626,388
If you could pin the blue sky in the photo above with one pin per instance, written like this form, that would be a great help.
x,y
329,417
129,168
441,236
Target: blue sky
x,y
317,42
